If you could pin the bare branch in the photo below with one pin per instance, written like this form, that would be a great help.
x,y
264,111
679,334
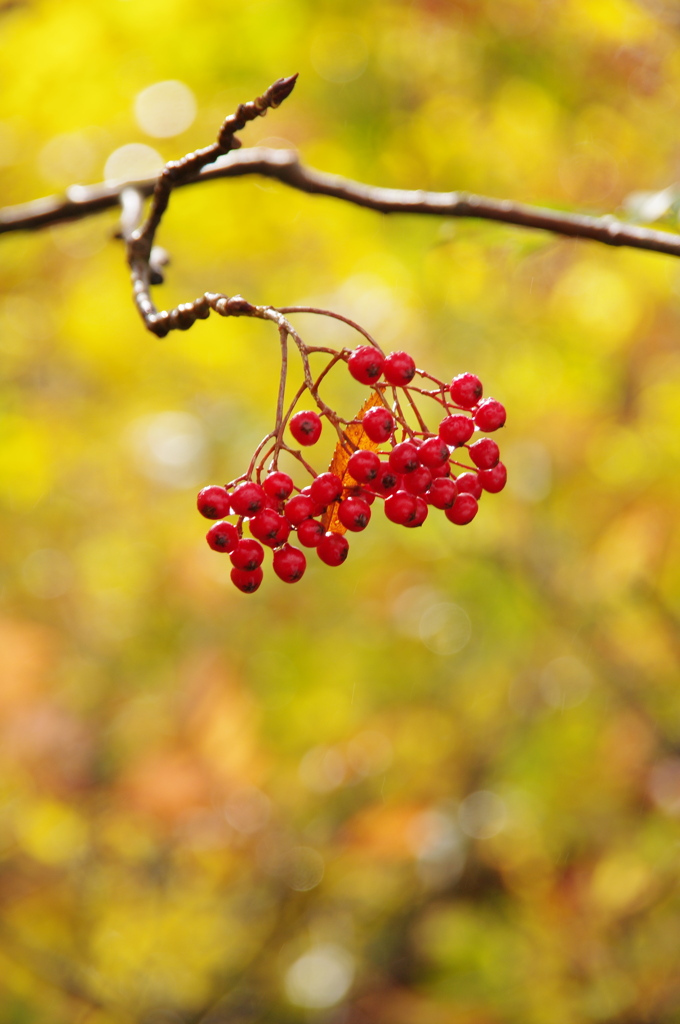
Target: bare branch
x,y
284,166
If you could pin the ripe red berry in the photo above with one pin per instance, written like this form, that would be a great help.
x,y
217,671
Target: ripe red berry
x,y
421,513
490,415
442,493
354,514
247,581
318,509
456,430
247,555
386,481
213,502
433,452
361,492
484,453
493,480
325,489
248,499
333,548
289,563
401,508
404,457
399,368
466,390
299,507
270,528
278,486
469,483
222,537
418,481
443,470
463,510
363,466
365,364
305,426
310,532
378,423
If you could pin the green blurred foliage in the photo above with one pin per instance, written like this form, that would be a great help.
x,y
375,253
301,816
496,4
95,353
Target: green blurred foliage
x,y
441,783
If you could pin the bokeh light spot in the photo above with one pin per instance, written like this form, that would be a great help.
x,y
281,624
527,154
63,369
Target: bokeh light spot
x,y
247,810
165,109
482,814
133,162
169,447
445,628
321,977
303,868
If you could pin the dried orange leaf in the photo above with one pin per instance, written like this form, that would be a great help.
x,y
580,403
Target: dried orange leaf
x,y
358,436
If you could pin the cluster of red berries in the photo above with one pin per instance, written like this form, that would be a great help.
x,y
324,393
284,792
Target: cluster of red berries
x,y
411,475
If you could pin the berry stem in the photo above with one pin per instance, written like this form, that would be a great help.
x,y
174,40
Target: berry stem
x,y
335,316
416,410
283,335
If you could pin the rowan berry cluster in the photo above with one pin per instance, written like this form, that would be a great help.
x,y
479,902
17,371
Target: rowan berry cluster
x,y
383,454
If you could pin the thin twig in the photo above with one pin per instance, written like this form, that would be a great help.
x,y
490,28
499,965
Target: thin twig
x,y
335,316
140,241
280,423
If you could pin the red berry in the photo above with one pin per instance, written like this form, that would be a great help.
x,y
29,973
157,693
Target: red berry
x,y
433,452
326,488
299,507
222,537
363,466
386,481
421,513
289,563
490,415
404,457
333,548
278,486
442,493
443,470
248,499
418,481
365,364
247,555
310,532
399,368
484,453
493,480
318,509
463,510
354,514
360,492
213,502
401,508
378,423
466,390
469,483
305,427
247,581
270,528
456,430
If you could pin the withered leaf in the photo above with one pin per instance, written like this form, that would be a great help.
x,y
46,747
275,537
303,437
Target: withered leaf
x,y
358,436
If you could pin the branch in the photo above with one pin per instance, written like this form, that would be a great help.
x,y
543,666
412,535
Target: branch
x,y
283,165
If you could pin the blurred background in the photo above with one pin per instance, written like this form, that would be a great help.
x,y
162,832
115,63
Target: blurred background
x,y
442,782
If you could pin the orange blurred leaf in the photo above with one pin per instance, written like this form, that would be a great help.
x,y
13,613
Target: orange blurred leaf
x,y
358,436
